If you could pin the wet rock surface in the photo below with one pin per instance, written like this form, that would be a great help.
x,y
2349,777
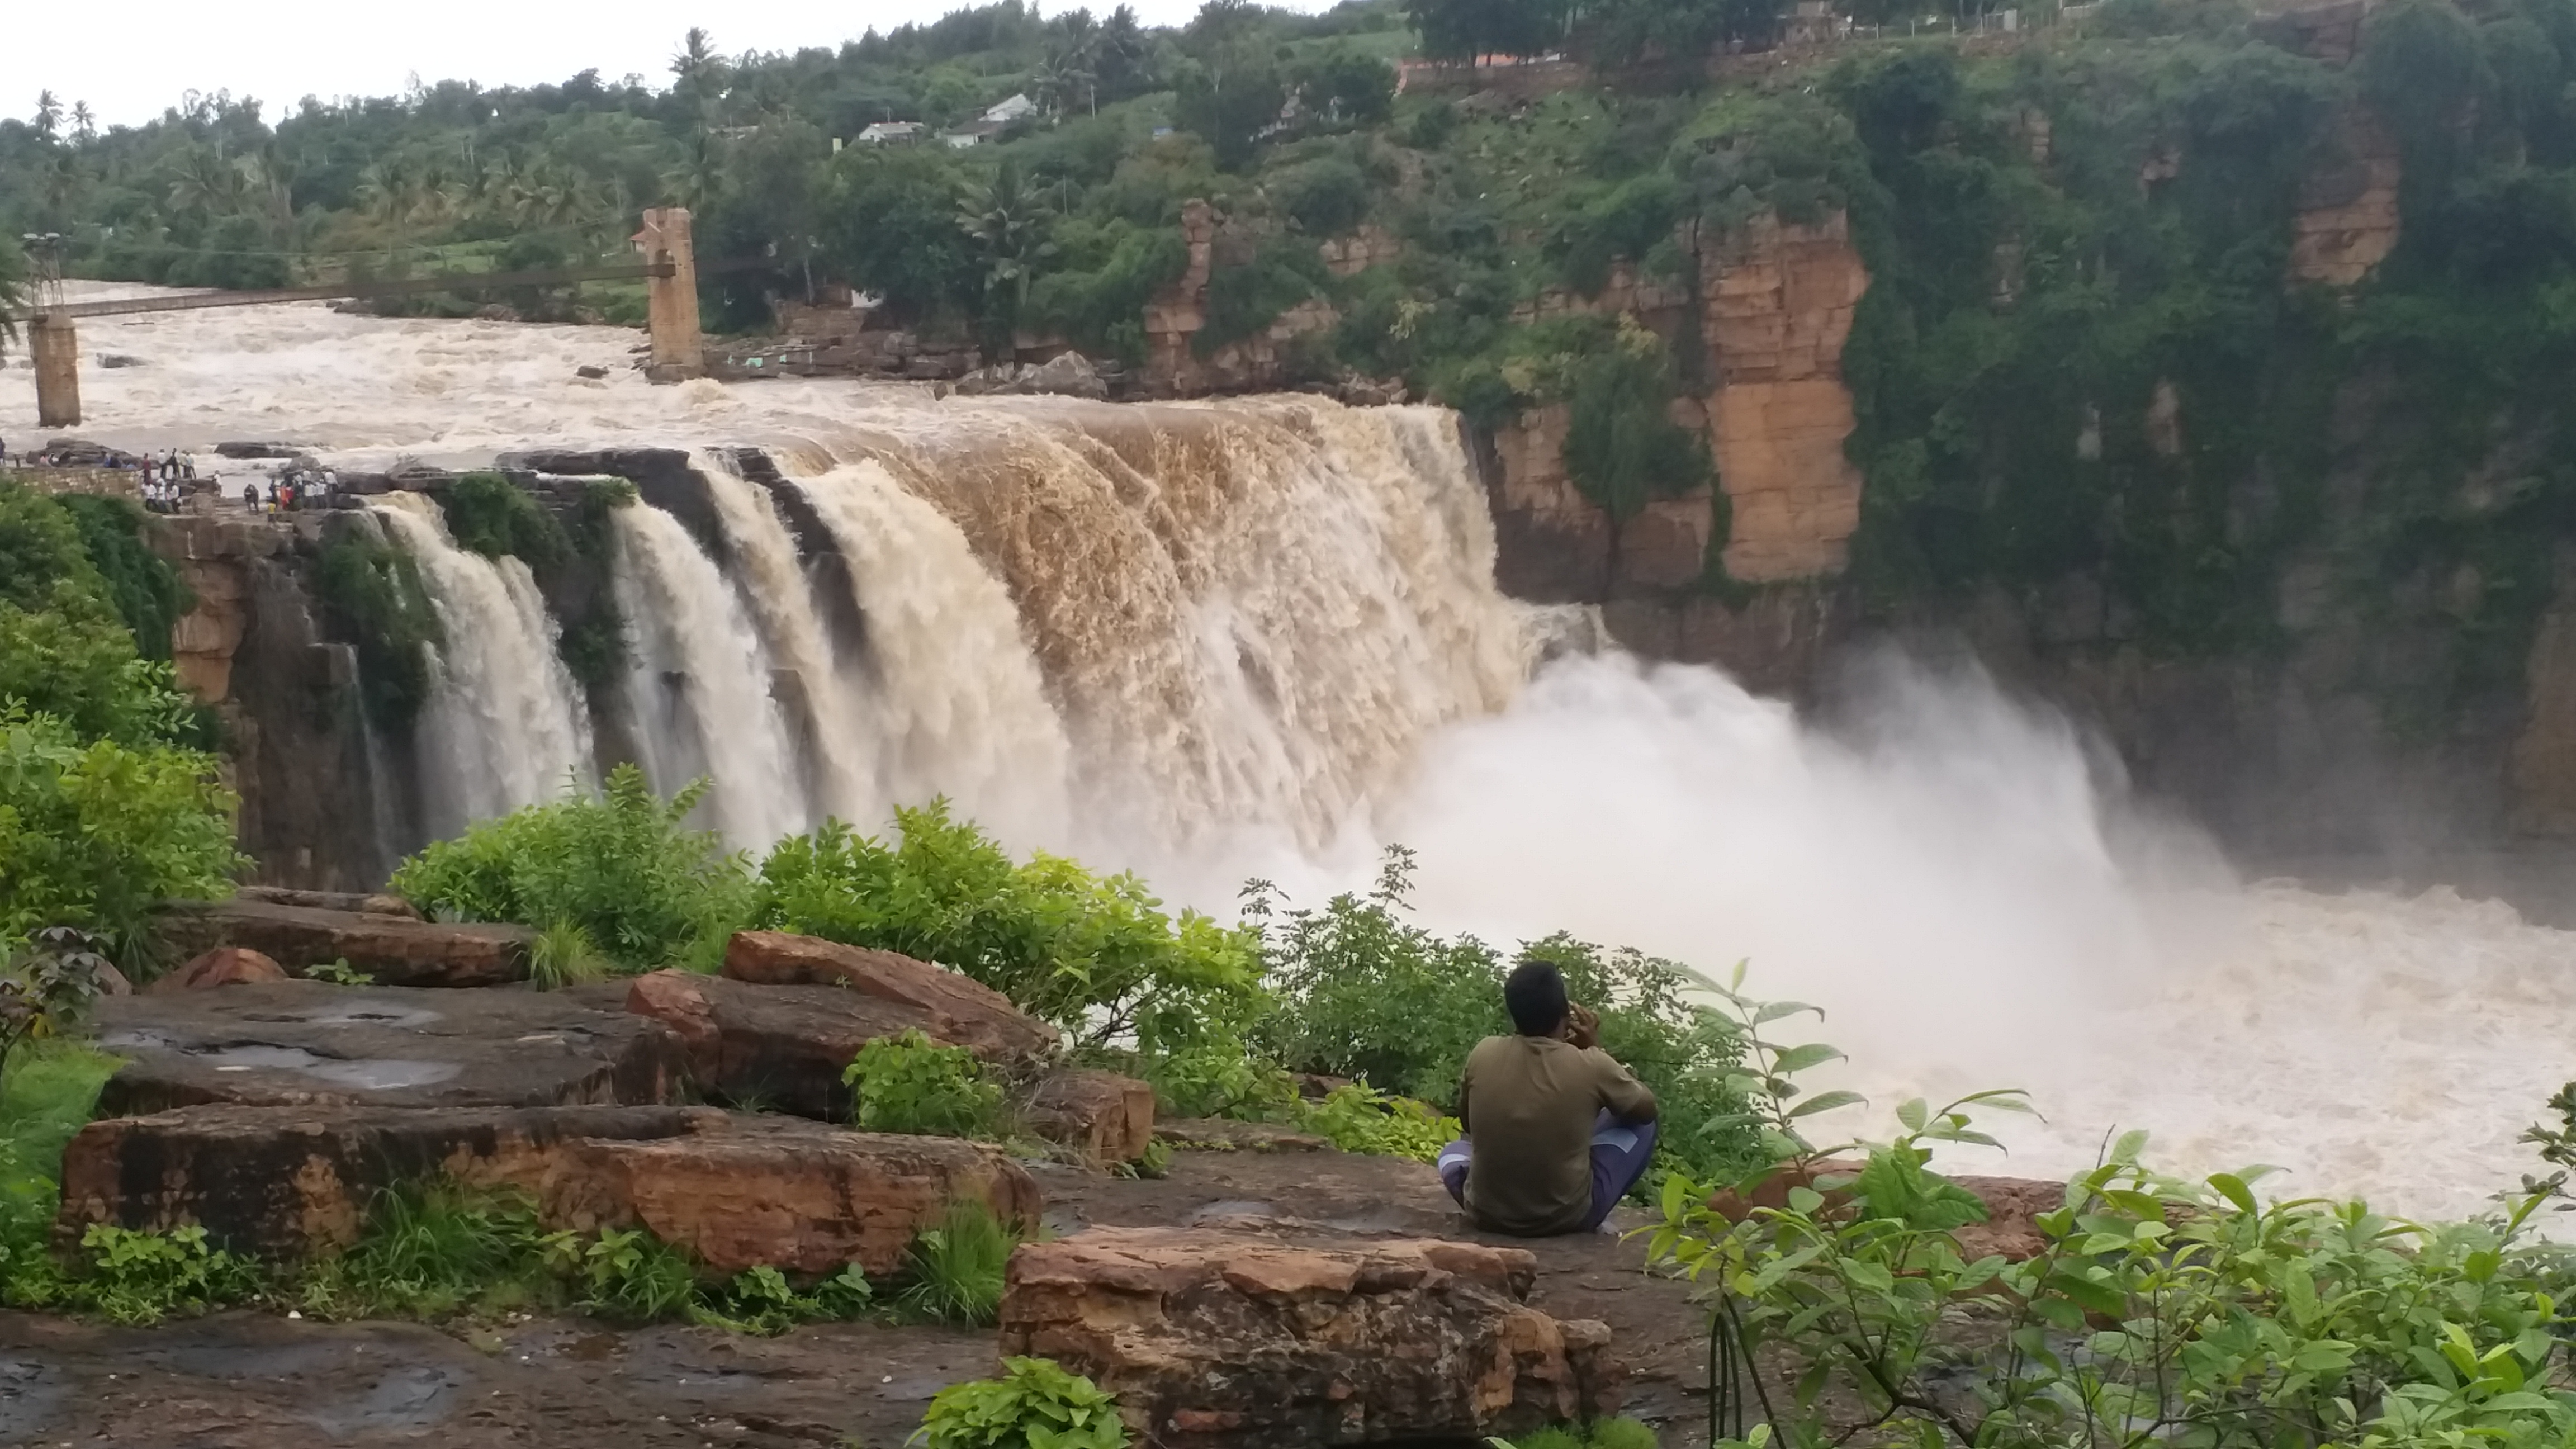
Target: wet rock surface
x,y
302,1042
395,950
964,1010
737,1191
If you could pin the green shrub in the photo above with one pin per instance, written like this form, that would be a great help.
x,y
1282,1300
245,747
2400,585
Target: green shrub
x,y
1112,270
93,835
954,1273
619,866
490,515
139,584
143,1277
430,1250
625,1275
1248,296
2156,1310
914,1085
1033,1405
47,1091
1094,955
1621,446
1327,196
1356,1118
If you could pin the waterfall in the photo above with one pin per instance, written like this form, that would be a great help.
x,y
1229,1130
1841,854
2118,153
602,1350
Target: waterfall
x,y
774,589
700,683
955,704
503,726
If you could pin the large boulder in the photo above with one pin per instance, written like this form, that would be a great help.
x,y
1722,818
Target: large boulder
x,y
1209,1336
290,1043
395,950
735,1191
782,1047
222,966
965,1011
1105,1117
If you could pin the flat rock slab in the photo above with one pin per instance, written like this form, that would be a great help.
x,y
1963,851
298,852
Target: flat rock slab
x,y
291,1043
1219,1134
395,950
966,1011
735,1191
1255,1342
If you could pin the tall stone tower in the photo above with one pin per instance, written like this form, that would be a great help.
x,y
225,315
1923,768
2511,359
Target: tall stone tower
x,y
671,302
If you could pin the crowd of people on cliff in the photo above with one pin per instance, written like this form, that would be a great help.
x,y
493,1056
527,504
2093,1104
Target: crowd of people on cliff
x,y
295,488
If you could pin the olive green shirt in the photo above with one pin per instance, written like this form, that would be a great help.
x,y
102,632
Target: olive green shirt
x,y
1528,1103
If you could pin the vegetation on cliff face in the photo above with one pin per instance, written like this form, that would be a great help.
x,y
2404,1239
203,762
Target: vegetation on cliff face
x,y
106,802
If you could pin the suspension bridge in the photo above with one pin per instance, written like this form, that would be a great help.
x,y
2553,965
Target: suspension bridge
x,y
668,269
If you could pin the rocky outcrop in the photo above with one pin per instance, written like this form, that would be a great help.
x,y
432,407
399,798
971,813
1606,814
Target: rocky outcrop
x,y
736,1192
1777,307
2347,221
1213,1337
292,1043
223,966
961,1009
781,1047
1103,1116
395,950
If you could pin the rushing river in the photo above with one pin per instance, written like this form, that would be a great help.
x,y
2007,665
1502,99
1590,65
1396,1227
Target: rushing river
x,y
1261,637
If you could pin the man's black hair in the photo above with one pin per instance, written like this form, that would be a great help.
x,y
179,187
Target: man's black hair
x,y
1535,995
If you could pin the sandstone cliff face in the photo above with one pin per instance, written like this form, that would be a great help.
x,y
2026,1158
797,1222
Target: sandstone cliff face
x,y
320,807
1777,309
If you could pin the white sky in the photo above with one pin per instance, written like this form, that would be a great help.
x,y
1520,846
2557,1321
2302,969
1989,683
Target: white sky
x,y
131,58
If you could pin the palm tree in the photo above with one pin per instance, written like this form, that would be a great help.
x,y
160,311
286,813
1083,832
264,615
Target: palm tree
x,y
1077,52
49,115
206,185
84,121
700,71
1121,49
1006,224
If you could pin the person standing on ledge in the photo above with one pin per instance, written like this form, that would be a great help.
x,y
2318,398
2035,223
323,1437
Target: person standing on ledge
x,y
1557,1131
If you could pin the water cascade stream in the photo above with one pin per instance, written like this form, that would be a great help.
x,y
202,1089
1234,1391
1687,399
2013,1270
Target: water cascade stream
x,y
504,725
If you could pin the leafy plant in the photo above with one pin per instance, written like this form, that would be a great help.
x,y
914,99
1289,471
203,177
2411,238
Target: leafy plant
x,y
1035,1404
431,1249
490,515
910,1083
93,834
1095,955
142,1277
625,1274
954,1274
2158,1310
47,987
47,1091
1358,1118
338,972
621,866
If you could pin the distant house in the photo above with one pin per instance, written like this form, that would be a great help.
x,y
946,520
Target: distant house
x,y
1005,112
974,133
990,124
891,133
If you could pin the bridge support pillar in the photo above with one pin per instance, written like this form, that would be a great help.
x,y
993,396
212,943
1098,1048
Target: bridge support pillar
x,y
55,349
671,302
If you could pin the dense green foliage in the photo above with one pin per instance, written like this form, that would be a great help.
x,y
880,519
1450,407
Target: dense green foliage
x,y
489,515
621,865
47,1092
954,1272
910,1083
1033,1405
372,598
1096,956
2158,1311
106,803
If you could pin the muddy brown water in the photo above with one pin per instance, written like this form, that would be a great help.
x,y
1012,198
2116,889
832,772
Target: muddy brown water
x,y
260,1381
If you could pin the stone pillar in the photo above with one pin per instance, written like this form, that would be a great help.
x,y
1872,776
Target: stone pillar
x,y
55,348
671,303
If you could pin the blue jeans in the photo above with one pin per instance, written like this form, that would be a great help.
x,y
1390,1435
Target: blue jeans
x,y
1620,1152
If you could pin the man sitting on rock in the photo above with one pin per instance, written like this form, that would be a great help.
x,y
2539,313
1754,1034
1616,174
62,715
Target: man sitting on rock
x,y
1557,1131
